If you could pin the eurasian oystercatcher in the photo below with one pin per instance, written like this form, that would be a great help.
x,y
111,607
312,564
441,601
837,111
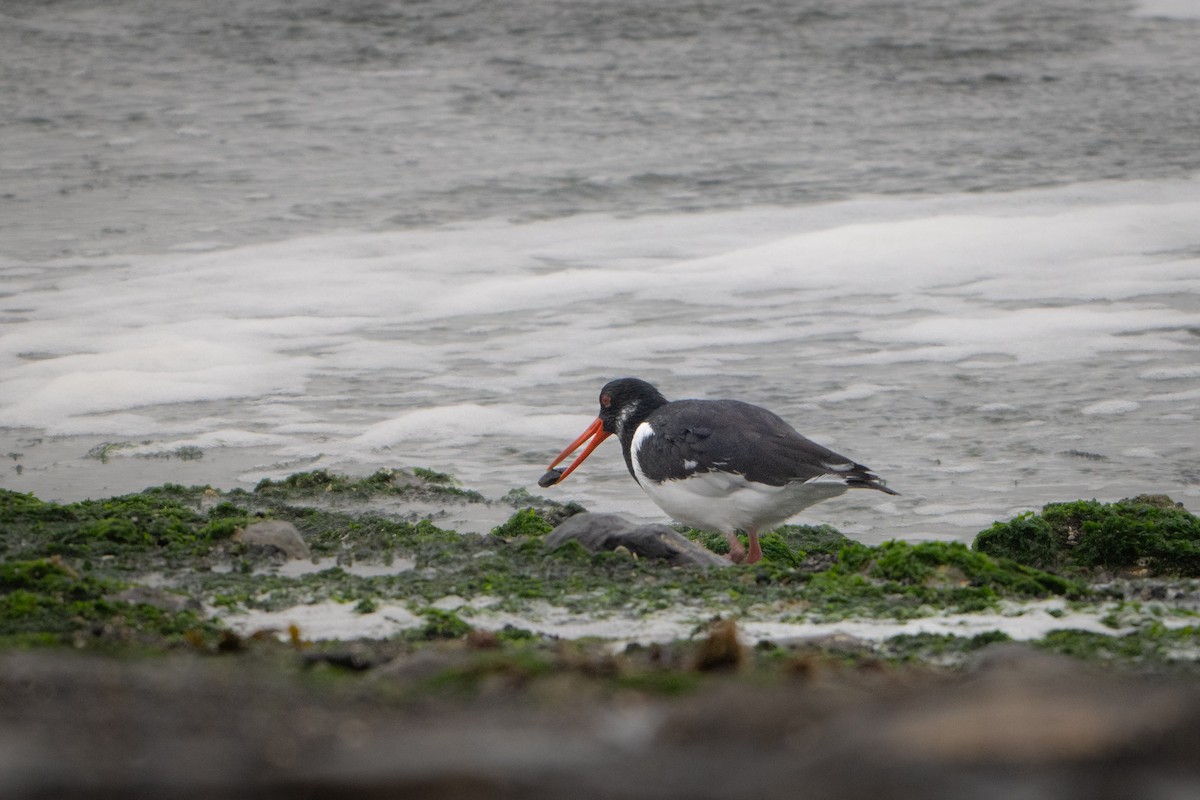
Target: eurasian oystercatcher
x,y
717,465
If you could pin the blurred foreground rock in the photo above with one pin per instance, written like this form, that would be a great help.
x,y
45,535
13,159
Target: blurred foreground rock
x,y
1019,724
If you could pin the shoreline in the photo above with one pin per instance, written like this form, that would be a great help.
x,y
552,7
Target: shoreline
x,y
132,662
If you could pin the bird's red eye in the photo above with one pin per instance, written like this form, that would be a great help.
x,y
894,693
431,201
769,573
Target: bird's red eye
x,y
605,400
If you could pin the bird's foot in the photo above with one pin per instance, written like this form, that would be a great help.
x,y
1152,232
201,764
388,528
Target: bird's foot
x,y
737,553
755,554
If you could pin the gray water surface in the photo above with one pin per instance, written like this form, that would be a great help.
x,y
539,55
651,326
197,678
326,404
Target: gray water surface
x,y
136,125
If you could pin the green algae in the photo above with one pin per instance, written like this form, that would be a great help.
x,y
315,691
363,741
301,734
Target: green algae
x,y
441,624
1149,534
1153,645
419,483
84,554
361,537
551,511
45,602
155,524
902,580
526,522
953,563
160,528
787,545
941,648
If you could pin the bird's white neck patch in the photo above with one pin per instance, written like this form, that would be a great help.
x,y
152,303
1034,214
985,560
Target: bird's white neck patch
x,y
643,432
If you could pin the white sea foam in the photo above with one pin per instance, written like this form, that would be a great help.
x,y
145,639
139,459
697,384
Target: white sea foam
x,y
326,620
903,329
1019,621
1110,407
1171,373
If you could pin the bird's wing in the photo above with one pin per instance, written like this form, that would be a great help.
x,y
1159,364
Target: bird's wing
x,y
729,435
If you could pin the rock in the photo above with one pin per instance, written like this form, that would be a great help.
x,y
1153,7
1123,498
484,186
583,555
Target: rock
x,y
601,532
275,533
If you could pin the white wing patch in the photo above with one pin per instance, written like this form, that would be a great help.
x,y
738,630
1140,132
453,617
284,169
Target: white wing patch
x,y
827,478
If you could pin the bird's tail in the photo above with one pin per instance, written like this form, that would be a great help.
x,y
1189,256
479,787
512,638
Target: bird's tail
x,y
862,478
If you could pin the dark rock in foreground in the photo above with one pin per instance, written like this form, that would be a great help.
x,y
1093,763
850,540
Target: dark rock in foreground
x,y
601,532
1020,724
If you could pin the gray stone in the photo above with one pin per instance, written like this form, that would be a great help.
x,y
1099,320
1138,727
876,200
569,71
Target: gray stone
x,y
276,533
601,532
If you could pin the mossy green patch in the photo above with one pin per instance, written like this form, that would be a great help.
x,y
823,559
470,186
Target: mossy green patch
x,y
786,546
155,523
419,483
551,511
138,532
1150,645
526,522
937,647
433,476
441,624
954,564
1146,533
897,579
44,602
360,537
366,605
903,580
78,558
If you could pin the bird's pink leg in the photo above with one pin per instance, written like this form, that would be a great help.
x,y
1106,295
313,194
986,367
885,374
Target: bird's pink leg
x,y
755,554
737,553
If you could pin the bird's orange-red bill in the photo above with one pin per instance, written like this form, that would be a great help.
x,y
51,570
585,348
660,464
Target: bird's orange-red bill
x,y
596,433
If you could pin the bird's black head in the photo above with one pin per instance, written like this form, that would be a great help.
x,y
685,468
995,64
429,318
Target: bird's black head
x,y
625,402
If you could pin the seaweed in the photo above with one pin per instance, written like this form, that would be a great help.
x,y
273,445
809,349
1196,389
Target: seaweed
x,y
1148,534
154,523
46,602
526,522
418,483
68,569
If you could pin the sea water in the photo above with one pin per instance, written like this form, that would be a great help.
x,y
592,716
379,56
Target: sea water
x,y
956,241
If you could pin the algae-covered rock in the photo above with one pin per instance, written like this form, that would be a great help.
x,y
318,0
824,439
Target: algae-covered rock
x,y
526,522
1148,534
161,523
416,483
47,602
601,532
277,534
